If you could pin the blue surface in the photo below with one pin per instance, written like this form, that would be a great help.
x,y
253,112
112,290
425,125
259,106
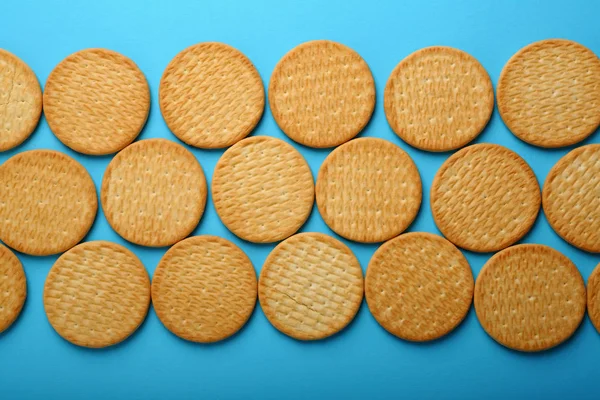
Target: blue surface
x,y
363,360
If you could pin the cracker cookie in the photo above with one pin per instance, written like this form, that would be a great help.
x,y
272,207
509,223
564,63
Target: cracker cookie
x,y
322,94
96,101
368,190
154,193
204,289
549,93
529,297
263,189
438,99
97,294
484,198
419,286
47,202
20,101
13,288
311,286
593,297
211,95
571,197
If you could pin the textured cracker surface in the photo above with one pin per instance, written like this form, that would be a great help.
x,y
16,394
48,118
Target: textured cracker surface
x,y
438,99
47,202
211,95
368,190
549,93
97,294
419,286
322,93
13,288
96,101
311,286
263,189
484,198
20,101
204,289
571,197
593,297
154,192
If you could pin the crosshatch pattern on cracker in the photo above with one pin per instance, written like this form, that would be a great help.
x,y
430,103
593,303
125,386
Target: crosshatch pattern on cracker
x,y
593,297
13,288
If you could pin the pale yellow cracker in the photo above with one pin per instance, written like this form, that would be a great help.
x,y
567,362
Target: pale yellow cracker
x,y
97,294
368,190
96,101
13,288
311,286
204,289
549,93
211,95
484,198
47,202
419,286
593,297
322,93
530,297
154,193
263,189
438,99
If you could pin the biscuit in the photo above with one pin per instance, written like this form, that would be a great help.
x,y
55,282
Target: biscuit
x,y
571,197
97,294
368,190
20,101
211,95
311,286
322,94
263,189
484,198
204,289
47,203
593,297
419,286
96,101
529,297
549,93
438,99
13,288
153,193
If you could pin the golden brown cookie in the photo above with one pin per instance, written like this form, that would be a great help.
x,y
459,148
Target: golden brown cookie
x,y
96,101
484,198
211,95
13,288
47,202
204,289
154,193
529,297
263,189
322,93
593,297
97,294
549,93
368,190
419,286
438,99
20,101
571,197
311,286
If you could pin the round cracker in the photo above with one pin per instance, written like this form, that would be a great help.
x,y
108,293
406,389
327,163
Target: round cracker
x,y
530,297
368,190
263,189
13,288
20,101
311,286
484,198
593,297
204,289
322,94
154,193
438,99
549,93
211,95
47,203
96,101
419,286
97,294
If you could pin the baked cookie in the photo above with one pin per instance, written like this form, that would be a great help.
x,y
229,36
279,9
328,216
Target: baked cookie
x,y
13,288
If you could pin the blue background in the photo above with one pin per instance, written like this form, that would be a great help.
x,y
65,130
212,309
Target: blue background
x,y
362,361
